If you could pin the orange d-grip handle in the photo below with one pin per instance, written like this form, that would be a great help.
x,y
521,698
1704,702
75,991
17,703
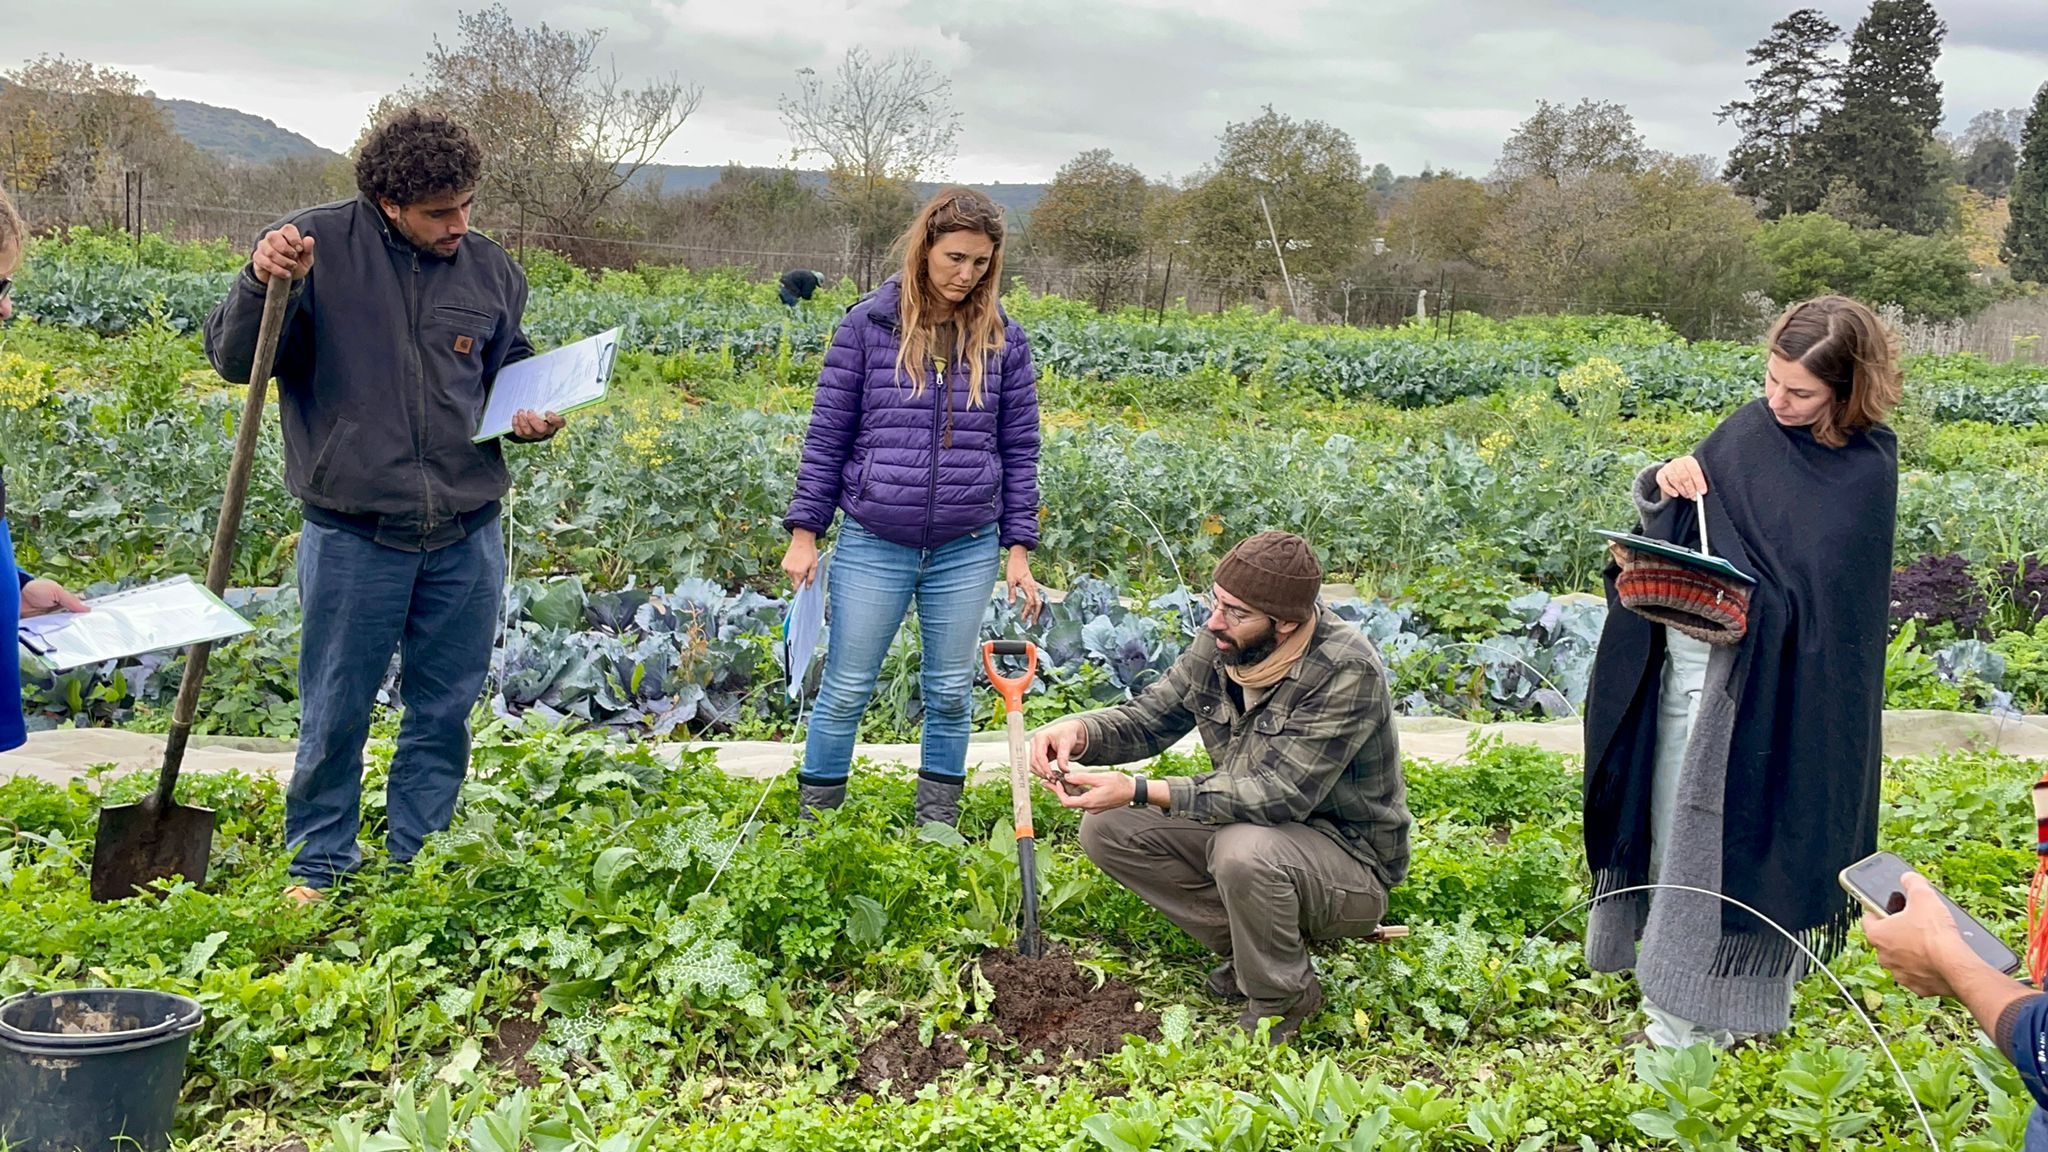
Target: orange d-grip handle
x,y
1012,688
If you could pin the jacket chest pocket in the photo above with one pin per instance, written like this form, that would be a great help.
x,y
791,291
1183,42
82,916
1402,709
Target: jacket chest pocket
x,y
455,338
463,318
1214,717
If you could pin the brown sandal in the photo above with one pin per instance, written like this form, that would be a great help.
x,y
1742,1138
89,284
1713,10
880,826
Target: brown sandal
x,y
301,895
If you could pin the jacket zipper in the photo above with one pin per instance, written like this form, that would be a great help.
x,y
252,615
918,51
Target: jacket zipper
x,y
931,500
419,433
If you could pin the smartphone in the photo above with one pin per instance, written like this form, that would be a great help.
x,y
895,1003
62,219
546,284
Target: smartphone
x,y
1874,881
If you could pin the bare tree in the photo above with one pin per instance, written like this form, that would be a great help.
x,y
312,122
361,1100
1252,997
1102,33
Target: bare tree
x,y
1551,236
70,132
560,135
881,126
2007,124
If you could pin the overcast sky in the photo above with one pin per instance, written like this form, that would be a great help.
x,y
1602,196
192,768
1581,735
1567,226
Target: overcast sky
x,y
1037,81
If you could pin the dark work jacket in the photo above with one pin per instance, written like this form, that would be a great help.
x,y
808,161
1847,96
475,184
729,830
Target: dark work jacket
x,y
387,357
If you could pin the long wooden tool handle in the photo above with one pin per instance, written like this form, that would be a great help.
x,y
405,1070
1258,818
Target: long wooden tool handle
x,y
220,561
1020,777
1027,849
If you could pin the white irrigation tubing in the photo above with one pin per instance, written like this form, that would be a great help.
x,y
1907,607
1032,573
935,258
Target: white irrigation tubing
x,y
1897,1071
504,641
1161,537
756,813
1482,646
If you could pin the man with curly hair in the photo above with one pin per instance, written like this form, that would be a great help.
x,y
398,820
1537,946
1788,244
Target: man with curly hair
x,y
395,331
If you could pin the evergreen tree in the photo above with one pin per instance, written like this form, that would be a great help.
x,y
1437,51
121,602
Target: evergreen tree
x,y
2026,237
1880,139
1778,159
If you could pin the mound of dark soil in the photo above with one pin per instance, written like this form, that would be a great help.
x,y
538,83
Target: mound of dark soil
x,y
897,1063
1046,1006
1052,1006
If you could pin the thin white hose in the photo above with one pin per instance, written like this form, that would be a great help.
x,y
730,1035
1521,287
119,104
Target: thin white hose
x,y
1811,958
748,826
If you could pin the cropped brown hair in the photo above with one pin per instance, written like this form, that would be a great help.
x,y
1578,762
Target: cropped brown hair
x,y
1845,345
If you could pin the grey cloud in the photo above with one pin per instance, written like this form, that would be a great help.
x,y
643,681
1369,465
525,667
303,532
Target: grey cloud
x,y
1036,82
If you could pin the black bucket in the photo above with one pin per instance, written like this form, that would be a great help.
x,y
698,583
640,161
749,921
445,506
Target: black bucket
x,y
93,1069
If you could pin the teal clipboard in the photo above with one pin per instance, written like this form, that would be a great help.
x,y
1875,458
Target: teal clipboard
x,y
1674,552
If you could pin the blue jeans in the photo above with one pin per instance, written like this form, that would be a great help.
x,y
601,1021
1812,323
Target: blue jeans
x,y
360,601
869,588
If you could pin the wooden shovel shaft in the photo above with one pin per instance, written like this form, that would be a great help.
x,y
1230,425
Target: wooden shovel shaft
x,y
220,561
1020,778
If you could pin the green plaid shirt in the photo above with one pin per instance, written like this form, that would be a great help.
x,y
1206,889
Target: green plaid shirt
x,y
1319,748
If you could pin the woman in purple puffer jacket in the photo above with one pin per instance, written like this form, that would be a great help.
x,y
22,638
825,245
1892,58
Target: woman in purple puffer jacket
x,y
924,431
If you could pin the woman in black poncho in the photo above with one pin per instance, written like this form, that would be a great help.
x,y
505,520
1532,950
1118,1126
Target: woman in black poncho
x,y
1742,757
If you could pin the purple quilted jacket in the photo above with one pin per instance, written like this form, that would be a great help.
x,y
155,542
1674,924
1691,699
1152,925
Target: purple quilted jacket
x,y
889,459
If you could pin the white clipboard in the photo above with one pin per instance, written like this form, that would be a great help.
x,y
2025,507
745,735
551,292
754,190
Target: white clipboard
x,y
571,377
171,613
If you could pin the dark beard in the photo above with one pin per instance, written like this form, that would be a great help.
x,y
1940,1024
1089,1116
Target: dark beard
x,y
1250,657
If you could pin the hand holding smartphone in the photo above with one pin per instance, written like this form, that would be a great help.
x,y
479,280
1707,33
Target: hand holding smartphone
x,y
1874,881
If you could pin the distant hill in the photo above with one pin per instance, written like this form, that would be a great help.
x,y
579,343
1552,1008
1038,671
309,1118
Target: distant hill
x,y
675,178
244,138
237,136
231,135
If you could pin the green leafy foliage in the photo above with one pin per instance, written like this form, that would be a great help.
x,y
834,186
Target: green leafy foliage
x,y
571,899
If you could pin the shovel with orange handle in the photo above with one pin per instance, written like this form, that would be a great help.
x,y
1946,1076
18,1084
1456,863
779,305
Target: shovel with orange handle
x,y
1012,689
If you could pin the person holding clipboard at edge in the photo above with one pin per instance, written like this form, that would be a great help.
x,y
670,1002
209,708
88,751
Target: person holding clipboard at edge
x,y
35,597
398,323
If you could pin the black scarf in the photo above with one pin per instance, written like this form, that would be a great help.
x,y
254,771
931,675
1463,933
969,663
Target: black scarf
x,y
1815,526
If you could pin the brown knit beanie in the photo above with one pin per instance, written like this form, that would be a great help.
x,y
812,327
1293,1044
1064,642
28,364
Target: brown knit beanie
x,y
1274,572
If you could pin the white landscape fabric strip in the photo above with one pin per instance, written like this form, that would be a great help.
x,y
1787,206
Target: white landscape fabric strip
x,y
168,614
570,377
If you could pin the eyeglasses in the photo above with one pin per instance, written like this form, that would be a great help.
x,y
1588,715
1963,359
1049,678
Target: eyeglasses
x,y
6,286
1231,612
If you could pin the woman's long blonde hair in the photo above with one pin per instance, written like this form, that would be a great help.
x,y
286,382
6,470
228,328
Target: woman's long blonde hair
x,y
13,233
977,323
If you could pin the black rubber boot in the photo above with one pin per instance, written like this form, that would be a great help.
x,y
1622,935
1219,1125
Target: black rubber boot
x,y
938,800
812,797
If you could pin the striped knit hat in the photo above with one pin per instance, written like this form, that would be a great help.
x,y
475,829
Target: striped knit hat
x,y
1706,607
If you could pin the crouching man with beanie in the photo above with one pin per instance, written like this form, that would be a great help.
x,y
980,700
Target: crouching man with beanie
x,y
1302,826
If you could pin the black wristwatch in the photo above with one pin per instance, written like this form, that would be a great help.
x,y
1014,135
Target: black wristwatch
x,y
1138,797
